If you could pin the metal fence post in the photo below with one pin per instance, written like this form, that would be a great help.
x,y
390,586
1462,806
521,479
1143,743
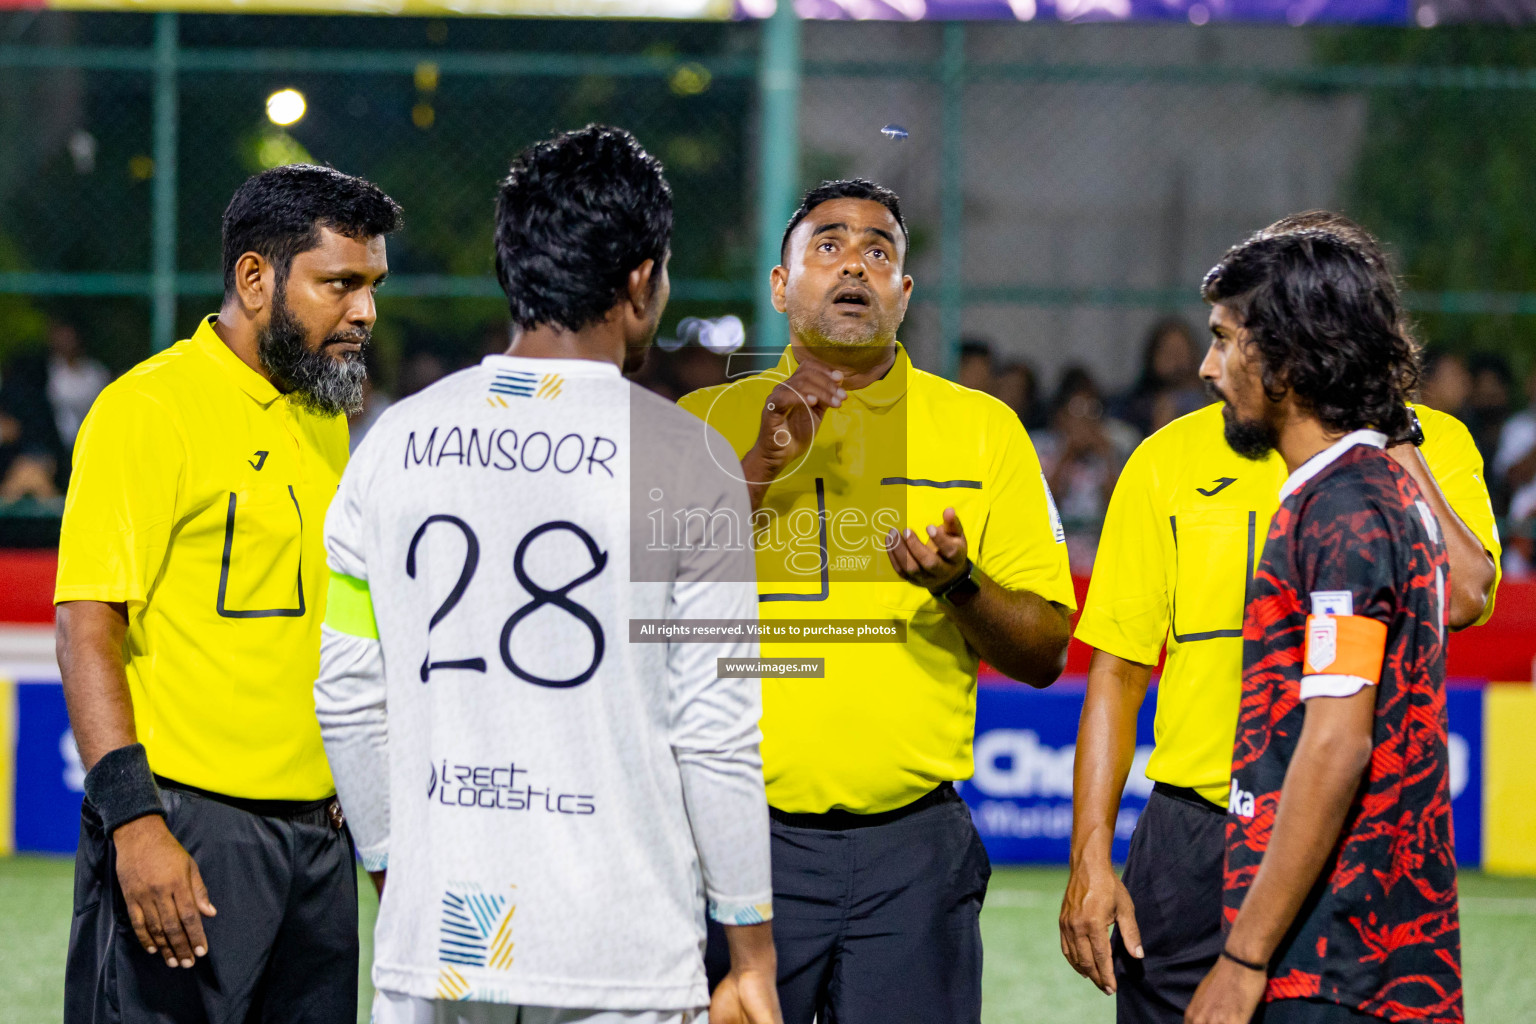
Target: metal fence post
x,y
952,196
778,160
163,230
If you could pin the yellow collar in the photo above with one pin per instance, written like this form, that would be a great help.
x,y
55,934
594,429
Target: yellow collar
x,y
248,380
877,394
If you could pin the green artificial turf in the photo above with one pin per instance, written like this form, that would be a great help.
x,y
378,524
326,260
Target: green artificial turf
x,y
1025,980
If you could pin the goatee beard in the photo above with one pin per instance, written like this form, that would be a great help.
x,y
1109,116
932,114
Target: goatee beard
x,y
825,329
1252,439
314,379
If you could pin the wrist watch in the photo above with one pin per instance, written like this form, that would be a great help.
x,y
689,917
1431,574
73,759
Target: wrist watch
x,y
1415,435
961,589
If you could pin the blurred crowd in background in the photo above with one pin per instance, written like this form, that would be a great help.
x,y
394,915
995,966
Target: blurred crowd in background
x,y
1083,433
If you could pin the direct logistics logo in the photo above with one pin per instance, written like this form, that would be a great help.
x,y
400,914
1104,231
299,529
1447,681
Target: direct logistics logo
x,y
500,787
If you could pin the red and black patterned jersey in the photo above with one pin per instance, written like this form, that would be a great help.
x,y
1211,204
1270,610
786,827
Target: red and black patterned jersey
x,y
1379,932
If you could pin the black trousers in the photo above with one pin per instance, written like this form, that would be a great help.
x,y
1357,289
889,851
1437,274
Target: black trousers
x,y
281,950
1174,875
877,924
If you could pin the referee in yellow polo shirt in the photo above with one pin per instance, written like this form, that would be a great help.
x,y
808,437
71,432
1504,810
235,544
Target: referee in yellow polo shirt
x,y
1185,527
882,492
214,877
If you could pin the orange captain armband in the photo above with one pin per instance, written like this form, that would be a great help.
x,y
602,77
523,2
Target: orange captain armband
x,y
1345,645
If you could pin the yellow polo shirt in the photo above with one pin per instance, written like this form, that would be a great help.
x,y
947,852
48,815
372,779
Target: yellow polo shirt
x,y
198,498
1182,537
890,721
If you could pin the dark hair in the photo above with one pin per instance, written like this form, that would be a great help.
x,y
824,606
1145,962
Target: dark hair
x,y
845,188
1491,362
574,216
278,214
1335,224
1355,235
1075,380
1433,355
974,347
1326,324
1170,323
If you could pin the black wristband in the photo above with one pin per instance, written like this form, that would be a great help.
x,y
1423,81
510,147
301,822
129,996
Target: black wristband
x,y
121,787
1261,968
961,589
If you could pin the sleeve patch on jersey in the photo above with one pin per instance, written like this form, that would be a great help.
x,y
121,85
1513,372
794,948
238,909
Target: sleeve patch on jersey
x,y
740,913
1349,645
349,607
1333,602
1050,503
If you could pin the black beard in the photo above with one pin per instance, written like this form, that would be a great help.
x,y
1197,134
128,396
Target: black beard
x,y
313,378
1252,439
824,327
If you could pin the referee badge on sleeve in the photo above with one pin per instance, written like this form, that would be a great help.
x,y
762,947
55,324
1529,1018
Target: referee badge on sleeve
x,y
1332,602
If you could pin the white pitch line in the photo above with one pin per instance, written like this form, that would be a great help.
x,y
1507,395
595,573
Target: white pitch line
x,y
1025,899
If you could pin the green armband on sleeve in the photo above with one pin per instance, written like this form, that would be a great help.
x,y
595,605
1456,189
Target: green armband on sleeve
x,y
349,608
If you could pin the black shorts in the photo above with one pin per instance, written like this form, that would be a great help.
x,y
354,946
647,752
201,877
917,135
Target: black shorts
x,y
282,948
878,924
1174,875
1310,1011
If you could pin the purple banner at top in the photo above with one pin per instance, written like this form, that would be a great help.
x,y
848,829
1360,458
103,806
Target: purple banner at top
x,y
1198,12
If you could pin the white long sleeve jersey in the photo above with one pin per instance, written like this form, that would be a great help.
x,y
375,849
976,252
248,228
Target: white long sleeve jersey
x,y
553,803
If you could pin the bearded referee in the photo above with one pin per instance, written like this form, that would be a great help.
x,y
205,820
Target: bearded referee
x,y
1173,574
214,879
881,492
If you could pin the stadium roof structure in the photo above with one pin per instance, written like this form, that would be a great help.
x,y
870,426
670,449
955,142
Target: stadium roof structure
x,y
1199,12
698,10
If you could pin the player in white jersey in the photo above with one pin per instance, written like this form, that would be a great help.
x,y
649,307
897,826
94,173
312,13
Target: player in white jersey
x,y
553,803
